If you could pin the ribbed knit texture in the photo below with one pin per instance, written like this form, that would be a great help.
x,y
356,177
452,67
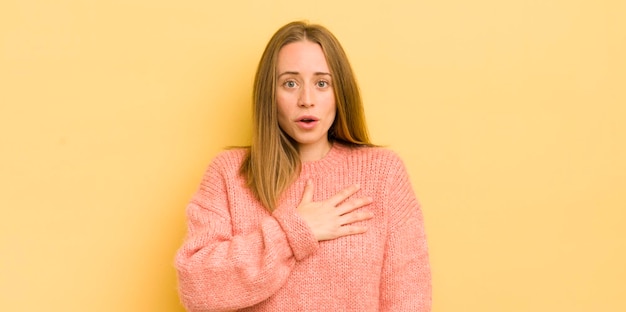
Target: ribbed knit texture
x,y
239,257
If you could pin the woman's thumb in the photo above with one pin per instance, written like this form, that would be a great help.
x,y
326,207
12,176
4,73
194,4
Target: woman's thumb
x,y
307,195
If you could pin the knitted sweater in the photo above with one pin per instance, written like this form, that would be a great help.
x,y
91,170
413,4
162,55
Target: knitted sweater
x,y
238,256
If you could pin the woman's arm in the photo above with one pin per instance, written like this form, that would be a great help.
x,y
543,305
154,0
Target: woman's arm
x,y
406,276
218,271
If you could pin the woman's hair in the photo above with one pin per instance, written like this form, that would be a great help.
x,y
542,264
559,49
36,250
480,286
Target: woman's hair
x,y
273,162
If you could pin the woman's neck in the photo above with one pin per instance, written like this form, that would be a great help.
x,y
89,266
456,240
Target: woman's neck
x,y
314,152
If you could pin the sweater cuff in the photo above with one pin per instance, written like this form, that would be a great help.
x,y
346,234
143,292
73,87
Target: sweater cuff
x,y
299,235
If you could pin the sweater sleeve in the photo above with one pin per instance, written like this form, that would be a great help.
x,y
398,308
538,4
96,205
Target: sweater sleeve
x,y
406,276
219,271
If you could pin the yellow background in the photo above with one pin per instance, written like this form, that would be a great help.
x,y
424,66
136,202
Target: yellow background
x,y
510,115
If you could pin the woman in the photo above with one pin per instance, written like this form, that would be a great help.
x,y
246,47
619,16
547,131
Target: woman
x,y
312,216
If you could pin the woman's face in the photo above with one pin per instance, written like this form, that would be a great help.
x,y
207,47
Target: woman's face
x,y
304,95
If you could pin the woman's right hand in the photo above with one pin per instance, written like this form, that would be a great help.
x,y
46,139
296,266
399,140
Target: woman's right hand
x,y
334,217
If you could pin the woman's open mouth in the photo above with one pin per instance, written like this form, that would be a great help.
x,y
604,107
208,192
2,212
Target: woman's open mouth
x,y
307,122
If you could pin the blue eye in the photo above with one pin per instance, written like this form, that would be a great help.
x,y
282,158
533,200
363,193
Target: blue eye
x,y
290,84
322,84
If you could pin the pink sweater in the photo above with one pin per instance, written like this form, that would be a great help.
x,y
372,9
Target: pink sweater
x,y
238,256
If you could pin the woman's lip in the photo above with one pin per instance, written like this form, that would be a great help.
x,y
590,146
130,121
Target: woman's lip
x,y
307,125
307,118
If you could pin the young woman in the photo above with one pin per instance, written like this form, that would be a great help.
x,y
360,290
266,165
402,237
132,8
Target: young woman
x,y
312,216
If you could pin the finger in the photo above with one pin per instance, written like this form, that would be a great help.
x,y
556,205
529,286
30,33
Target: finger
x,y
307,195
355,216
353,204
343,194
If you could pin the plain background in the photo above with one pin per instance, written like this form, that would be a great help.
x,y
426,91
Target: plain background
x,y
510,116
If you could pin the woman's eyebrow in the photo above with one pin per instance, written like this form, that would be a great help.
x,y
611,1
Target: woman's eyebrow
x,y
322,73
297,73
288,73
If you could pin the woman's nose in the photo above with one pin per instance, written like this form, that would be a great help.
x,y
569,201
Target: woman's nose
x,y
305,99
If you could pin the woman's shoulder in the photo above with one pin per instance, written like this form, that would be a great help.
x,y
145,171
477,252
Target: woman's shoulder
x,y
232,153
229,159
372,159
377,154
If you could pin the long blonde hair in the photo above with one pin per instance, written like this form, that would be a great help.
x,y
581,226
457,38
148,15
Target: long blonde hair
x,y
273,162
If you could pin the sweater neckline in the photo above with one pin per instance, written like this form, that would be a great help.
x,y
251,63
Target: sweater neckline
x,y
330,160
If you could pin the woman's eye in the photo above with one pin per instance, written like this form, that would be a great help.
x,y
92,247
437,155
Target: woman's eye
x,y
322,84
290,84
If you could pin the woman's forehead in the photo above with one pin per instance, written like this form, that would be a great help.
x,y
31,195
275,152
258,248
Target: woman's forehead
x,y
301,57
